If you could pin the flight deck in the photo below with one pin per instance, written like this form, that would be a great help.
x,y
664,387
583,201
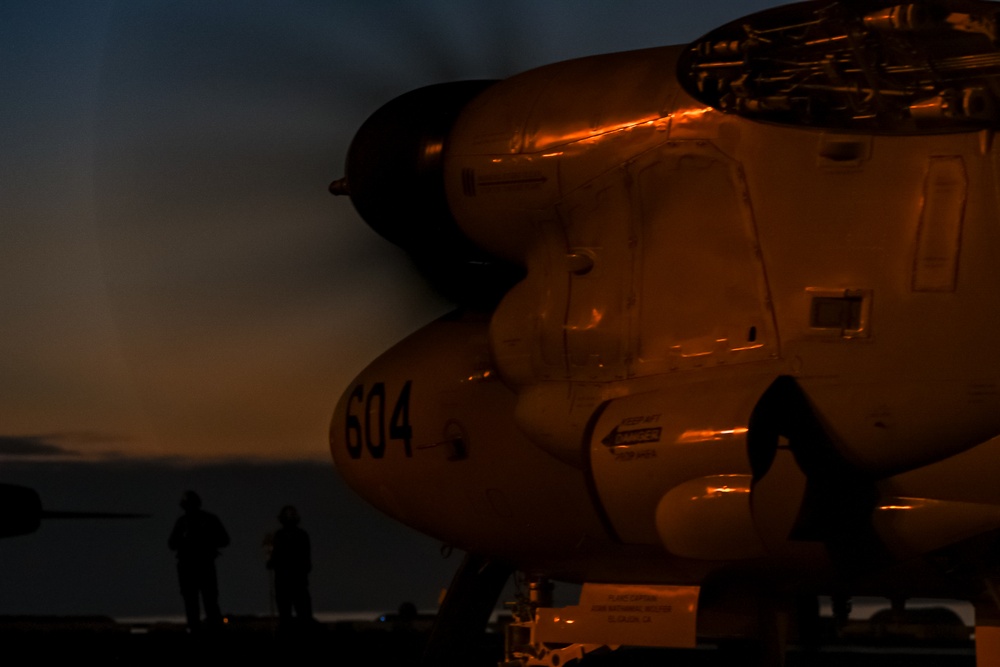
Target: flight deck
x,y
253,640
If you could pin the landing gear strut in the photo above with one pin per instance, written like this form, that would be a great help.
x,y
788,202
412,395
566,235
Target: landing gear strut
x,y
461,622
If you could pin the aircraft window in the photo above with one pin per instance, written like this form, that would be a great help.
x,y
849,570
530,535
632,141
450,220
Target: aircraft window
x,y
842,313
829,312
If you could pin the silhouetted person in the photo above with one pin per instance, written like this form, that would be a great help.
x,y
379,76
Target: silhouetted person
x,y
197,537
291,561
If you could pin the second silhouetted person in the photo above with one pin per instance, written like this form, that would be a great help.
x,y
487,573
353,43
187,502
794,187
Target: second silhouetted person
x,y
291,561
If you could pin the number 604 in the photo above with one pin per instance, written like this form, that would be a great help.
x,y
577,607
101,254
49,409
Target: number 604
x,y
369,430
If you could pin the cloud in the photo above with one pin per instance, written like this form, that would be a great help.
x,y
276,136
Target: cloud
x,y
31,445
55,444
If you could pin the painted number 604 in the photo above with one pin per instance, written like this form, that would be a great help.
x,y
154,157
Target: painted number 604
x,y
368,431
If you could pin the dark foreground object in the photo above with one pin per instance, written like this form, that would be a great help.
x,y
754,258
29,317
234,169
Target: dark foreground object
x,y
251,641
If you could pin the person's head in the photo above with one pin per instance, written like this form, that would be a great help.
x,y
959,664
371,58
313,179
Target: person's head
x,y
288,516
190,501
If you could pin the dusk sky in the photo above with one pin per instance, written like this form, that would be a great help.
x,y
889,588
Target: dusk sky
x,y
176,284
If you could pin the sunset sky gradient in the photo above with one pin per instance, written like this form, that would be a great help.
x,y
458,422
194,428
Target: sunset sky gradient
x,y
176,281
177,287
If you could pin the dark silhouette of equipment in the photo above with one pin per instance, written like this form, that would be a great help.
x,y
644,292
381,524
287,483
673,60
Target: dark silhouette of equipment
x,y
21,511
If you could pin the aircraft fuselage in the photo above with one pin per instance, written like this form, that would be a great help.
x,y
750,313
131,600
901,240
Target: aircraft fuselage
x,y
735,340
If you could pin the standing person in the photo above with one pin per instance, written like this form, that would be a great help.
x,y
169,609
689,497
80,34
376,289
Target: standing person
x,y
291,562
197,537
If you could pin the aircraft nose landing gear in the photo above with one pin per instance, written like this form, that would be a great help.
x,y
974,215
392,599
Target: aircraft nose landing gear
x,y
608,616
522,647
